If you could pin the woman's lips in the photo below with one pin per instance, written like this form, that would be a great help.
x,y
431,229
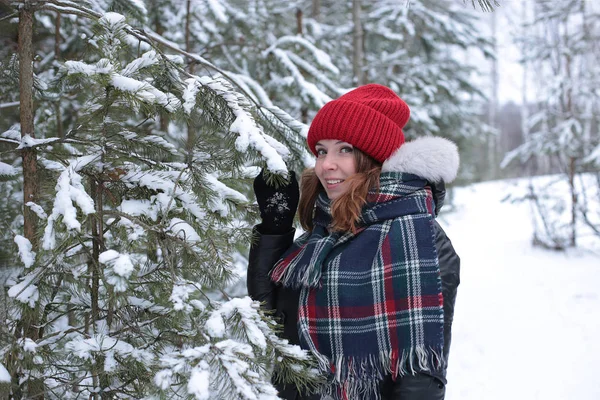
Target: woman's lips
x,y
333,183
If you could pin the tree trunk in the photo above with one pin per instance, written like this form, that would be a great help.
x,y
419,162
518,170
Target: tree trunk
x,y
59,124
587,65
30,181
57,37
188,22
493,106
94,289
191,134
525,64
357,61
524,92
572,171
28,324
574,153
316,10
300,31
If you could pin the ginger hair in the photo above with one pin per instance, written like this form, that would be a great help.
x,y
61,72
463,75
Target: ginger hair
x,y
346,209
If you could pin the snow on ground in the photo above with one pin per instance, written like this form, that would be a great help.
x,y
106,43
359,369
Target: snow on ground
x,y
527,320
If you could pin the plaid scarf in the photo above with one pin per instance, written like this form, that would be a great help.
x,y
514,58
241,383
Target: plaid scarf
x,y
370,302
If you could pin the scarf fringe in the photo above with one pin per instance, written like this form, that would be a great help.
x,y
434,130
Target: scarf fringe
x,y
359,378
295,275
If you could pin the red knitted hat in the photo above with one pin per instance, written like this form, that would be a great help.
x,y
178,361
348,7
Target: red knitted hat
x,y
370,118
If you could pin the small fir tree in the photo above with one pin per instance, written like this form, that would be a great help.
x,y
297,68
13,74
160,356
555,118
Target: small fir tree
x,y
137,237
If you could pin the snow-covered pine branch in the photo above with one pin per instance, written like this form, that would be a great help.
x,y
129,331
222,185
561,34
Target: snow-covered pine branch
x,y
238,333
321,58
308,90
249,132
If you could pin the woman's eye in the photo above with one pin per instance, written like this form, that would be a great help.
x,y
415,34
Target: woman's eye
x,y
346,150
321,152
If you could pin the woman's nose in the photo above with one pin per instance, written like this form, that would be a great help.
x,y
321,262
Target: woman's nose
x,y
329,162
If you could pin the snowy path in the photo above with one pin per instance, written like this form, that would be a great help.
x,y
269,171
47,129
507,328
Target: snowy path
x,y
527,321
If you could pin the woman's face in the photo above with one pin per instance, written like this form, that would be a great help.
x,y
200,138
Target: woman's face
x,y
335,163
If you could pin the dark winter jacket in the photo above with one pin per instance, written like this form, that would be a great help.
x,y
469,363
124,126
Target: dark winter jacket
x,y
266,250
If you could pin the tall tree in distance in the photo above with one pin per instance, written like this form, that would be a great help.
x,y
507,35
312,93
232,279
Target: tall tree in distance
x,y
561,42
493,108
358,72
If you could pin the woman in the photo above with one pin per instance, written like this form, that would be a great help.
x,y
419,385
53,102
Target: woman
x,y
370,287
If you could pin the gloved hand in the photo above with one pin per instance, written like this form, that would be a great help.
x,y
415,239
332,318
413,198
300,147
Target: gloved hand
x,y
277,205
438,190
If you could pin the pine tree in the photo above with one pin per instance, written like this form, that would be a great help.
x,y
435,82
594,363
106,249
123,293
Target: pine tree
x,y
561,45
137,234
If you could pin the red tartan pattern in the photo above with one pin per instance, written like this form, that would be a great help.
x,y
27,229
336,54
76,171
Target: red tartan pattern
x,y
371,302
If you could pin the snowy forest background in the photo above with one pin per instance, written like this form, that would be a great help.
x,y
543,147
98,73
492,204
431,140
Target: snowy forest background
x,y
131,130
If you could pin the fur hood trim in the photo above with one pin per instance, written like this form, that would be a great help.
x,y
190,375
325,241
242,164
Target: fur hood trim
x,y
429,157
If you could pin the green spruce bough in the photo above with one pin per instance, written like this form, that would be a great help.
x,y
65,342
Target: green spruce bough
x,y
138,234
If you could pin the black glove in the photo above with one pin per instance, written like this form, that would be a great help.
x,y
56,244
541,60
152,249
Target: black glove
x,y
438,190
277,205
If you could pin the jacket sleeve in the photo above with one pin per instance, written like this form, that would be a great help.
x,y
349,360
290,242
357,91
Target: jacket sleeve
x,y
265,251
450,275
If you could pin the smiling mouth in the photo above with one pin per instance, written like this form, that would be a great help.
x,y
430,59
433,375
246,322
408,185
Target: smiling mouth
x,y
334,181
